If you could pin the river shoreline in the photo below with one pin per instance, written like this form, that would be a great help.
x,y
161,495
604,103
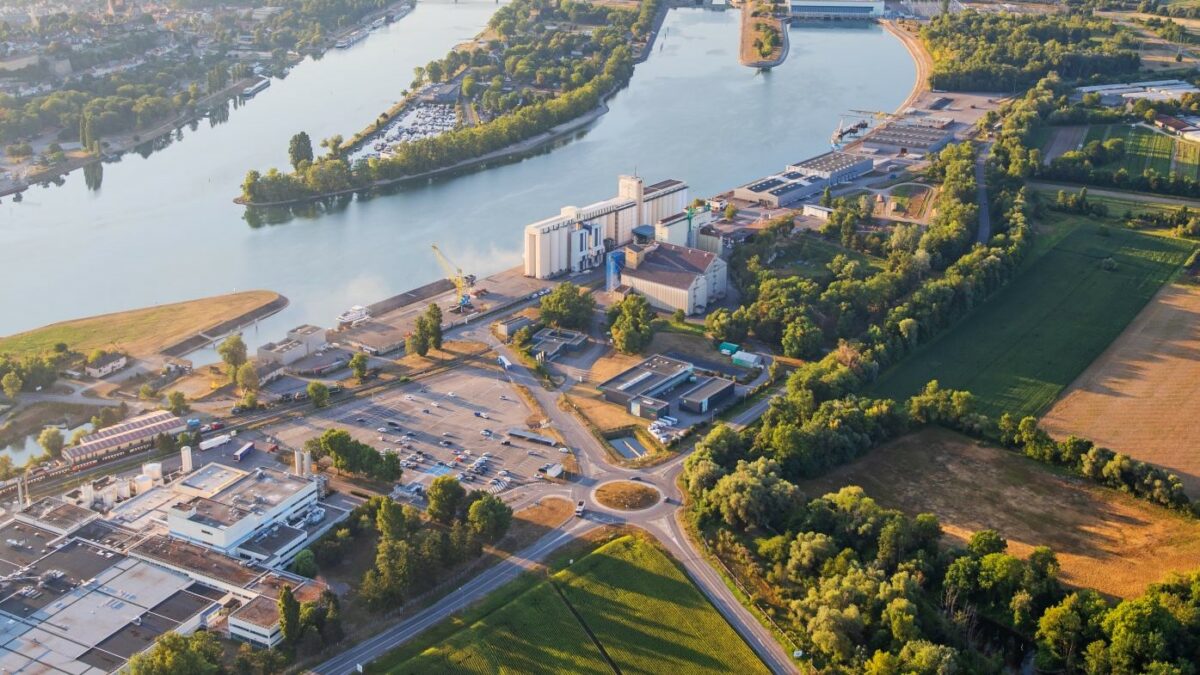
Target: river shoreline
x,y
518,149
126,143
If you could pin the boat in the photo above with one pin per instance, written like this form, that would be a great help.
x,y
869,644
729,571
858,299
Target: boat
x,y
354,315
351,39
377,23
255,88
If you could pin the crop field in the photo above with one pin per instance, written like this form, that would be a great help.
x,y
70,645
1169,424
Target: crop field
x,y
627,595
1017,351
1103,539
1142,396
1144,148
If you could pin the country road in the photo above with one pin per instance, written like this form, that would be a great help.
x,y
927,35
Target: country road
x,y
661,521
1140,197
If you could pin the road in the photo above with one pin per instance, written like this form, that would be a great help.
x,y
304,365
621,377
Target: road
x,y
661,521
1139,197
985,214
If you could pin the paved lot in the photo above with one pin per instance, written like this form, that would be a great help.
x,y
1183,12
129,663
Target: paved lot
x,y
444,418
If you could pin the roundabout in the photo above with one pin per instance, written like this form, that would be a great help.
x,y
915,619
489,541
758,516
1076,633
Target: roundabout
x,y
627,495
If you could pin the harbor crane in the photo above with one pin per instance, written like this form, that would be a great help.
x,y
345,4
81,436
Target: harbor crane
x,y
462,282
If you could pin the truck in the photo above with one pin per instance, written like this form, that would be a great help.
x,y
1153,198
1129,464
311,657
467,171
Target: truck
x,y
504,362
193,424
214,442
243,451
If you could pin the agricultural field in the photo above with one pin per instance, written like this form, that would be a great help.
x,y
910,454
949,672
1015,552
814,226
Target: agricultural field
x,y
628,595
1103,538
1142,396
1020,349
1144,148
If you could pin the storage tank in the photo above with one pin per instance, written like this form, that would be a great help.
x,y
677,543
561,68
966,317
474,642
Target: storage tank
x,y
142,483
109,496
123,489
308,469
87,494
153,470
298,462
185,456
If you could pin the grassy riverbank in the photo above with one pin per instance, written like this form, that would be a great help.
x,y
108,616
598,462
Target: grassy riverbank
x,y
140,332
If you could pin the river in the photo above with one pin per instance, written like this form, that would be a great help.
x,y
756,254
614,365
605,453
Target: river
x,y
163,228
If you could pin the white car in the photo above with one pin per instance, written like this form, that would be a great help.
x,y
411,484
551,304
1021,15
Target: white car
x,y
452,394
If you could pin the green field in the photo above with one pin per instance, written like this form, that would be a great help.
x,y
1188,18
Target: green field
x,y
1021,348
633,599
1146,149
808,256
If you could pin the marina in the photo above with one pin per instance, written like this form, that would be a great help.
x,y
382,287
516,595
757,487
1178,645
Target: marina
x,y
422,120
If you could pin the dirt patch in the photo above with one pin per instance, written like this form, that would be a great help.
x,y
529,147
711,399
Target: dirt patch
x,y
1062,139
626,495
533,522
1141,397
1104,539
612,364
604,415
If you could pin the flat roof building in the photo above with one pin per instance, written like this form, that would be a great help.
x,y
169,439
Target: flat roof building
x,y
707,395
907,139
837,9
648,379
835,167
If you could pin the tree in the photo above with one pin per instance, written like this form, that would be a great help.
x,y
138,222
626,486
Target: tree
x,y
418,341
390,520
433,326
175,654
12,384
567,306
247,377
679,317
305,563
358,365
730,211
177,402
289,616
728,326
802,339
300,149
985,542
319,393
233,352
754,495
489,517
631,322
445,496
51,440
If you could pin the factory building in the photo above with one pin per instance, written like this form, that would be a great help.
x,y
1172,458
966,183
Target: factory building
x,y
680,229
907,139
837,9
577,238
673,277
834,167
780,190
131,433
1130,92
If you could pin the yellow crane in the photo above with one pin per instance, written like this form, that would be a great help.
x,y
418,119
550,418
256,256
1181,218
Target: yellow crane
x,y
462,282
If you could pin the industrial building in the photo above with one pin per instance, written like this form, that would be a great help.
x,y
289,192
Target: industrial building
x,y
907,139
837,9
1130,92
550,342
780,190
680,228
301,341
131,433
640,389
578,237
708,393
834,167
671,277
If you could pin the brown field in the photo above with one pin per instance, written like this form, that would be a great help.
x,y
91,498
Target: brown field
x,y
1104,539
1141,397
1063,139
607,416
626,495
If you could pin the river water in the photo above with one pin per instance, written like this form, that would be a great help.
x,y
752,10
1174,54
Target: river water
x,y
163,228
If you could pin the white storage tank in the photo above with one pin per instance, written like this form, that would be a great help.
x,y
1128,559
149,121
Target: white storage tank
x,y
153,470
109,495
185,456
87,494
142,483
123,489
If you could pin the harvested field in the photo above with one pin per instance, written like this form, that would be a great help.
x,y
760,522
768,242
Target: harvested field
x,y
1103,538
1142,395
1062,139
139,332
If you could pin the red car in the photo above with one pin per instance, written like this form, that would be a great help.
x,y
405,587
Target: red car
x,y
217,425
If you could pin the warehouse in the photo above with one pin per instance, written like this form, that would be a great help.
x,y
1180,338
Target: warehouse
x,y
131,433
780,190
674,277
647,380
300,342
834,167
837,9
576,239
707,395
1129,92
907,139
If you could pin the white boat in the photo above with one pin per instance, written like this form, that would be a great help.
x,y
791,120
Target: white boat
x,y
354,314
255,88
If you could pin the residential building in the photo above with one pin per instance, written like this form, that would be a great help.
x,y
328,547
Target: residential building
x,y
106,365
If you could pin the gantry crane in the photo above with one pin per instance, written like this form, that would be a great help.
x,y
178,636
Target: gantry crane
x,y
462,282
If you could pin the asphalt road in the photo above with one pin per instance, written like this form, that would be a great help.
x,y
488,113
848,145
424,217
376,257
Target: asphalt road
x,y
661,520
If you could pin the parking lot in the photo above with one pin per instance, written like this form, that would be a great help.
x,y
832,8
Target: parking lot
x,y
441,425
